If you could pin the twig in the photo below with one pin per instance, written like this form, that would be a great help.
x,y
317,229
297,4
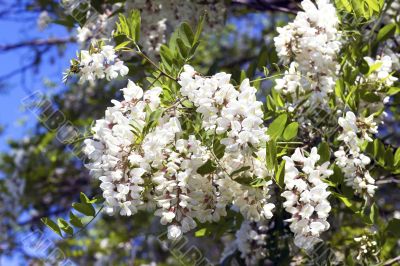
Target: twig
x,y
392,261
39,42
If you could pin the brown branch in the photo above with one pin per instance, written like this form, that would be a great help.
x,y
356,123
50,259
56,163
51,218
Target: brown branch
x,y
39,42
286,6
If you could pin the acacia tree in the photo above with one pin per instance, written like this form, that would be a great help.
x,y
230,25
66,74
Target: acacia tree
x,y
277,160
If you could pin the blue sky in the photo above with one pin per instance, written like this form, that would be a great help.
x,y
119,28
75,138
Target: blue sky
x,y
18,87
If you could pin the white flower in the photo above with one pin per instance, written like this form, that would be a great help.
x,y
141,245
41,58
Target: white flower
x,y
174,232
353,163
306,197
310,44
132,91
99,65
126,158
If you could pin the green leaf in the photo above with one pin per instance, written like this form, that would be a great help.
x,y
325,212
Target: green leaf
x,y
75,220
84,208
393,91
374,213
393,227
182,48
64,225
277,127
371,97
218,149
396,161
52,225
199,29
379,151
374,67
188,34
207,168
201,232
238,171
337,178
122,45
346,201
271,156
386,32
280,175
291,131
84,198
389,159
339,89
324,152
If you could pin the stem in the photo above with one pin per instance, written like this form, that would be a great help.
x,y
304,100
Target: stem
x,y
86,225
155,65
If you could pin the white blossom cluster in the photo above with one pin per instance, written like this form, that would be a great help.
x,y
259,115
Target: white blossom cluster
x,y
310,44
382,71
251,241
367,246
306,197
158,169
236,115
349,158
101,64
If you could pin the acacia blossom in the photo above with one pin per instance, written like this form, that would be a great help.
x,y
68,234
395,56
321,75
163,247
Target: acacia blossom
x,y
349,158
237,116
98,65
251,241
156,168
306,197
310,44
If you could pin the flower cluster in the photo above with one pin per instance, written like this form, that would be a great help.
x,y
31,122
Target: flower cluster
x,y
306,197
352,162
235,115
310,44
250,241
367,246
144,167
98,64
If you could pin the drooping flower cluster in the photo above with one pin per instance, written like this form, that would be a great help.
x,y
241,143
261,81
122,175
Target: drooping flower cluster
x,y
306,197
310,44
98,64
251,241
156,167
237,116
349,158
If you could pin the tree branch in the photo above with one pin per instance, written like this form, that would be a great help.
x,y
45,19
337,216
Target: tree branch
x,y
286,6
39,42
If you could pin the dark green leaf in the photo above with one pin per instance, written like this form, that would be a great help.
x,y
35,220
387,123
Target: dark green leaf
x,y
52,225
65,226
243,169
75,220
84,208
207,168
324,152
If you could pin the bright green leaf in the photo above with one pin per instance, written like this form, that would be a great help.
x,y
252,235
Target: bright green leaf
x,y
291,131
